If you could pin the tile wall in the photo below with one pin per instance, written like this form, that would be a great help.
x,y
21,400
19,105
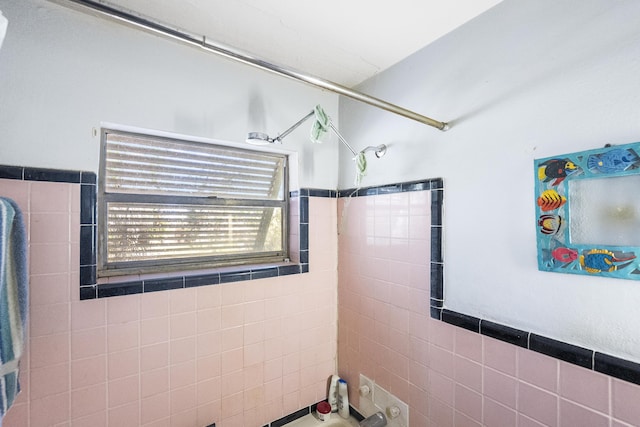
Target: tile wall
x,y
238,354
448,375
246,353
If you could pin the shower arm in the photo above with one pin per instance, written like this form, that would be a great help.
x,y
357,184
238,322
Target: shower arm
x,y
341,138
149,25
292,128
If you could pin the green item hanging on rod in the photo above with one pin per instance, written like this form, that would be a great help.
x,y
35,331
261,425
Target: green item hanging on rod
x,y
361,167
320,125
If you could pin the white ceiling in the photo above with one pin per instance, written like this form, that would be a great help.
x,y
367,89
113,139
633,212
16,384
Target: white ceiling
x,y
342,41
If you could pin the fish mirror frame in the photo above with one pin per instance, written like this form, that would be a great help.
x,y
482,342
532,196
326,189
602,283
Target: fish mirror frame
x,y
588,212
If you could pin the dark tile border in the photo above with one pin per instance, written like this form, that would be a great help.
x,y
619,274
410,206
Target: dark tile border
x,y
316,192
235,276
202,280
461,320
560,350
421,185
108,290
616,367
264,273
355,414
291,417
89,244
306,411
504,333
11,172
157,285
51,175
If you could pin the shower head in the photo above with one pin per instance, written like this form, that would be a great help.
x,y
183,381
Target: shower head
x,y
259,138
379,151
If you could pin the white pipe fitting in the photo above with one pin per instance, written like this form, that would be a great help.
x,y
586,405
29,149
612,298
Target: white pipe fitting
x,y
364,390
393,412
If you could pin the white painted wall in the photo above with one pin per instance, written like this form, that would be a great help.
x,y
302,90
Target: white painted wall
x,y
527,79
64,73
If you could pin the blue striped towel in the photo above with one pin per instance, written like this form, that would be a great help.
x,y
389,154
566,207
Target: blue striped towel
x,y
13,300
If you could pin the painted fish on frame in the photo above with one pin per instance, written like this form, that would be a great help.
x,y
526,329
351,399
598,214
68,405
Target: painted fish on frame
x,y
613,161
602,260
557,169
550,224
550,200
563,254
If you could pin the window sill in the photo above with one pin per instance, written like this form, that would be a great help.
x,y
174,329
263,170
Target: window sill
x,y
136,284
92,287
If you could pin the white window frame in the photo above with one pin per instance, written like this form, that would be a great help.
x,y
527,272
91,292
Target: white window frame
x,y
106,269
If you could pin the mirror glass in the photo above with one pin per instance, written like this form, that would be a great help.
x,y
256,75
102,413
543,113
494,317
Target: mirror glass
x,y
605,211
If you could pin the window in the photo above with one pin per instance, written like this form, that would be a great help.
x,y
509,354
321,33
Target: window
x,y
170,205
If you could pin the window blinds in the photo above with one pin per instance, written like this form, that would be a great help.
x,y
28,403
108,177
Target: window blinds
x,y
174,202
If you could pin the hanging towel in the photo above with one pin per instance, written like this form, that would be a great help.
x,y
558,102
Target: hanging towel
x,y
13,300
320,125
361,167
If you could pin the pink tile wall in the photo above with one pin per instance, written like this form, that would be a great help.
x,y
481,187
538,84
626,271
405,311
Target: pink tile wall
x,y
448,376
239,354
246,353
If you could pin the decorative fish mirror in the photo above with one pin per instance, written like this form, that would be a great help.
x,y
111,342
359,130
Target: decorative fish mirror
x,y
588,212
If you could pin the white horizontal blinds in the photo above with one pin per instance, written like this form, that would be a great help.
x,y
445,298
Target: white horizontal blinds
x,y
139,165
184,202
145,232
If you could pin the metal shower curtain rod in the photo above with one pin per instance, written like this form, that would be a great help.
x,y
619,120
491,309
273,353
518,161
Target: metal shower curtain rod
x,y
105,10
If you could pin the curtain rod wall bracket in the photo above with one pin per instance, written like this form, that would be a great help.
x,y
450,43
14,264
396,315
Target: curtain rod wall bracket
x,y
140,22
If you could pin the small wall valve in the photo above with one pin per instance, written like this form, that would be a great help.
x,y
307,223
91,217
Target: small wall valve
x,y
393,412
364,390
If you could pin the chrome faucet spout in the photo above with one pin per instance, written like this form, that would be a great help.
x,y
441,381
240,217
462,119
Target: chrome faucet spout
x,y
376,420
